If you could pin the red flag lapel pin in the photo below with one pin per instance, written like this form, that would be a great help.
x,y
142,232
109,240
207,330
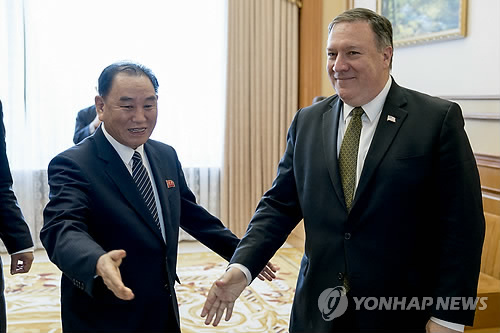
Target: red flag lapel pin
x,y
170,183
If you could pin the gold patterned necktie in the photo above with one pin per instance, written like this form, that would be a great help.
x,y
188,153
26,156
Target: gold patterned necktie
x,y
348,156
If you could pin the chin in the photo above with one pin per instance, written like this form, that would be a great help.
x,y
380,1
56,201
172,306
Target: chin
x,y
344,97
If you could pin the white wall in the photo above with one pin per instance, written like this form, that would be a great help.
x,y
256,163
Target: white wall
x,y
466,70
468,66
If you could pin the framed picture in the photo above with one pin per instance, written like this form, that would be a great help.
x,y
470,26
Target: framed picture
x,y
422,21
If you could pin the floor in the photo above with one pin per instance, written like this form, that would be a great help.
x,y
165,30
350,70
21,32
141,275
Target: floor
x,y
184,247
33,299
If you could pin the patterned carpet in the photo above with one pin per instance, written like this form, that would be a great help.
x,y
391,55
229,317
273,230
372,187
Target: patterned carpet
x,y
33,299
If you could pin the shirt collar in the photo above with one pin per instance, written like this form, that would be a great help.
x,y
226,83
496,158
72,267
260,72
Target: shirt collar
x,y
374,107
125,152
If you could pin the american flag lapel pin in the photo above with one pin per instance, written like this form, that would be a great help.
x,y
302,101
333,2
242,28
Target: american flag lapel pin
x,y
392,119
170,183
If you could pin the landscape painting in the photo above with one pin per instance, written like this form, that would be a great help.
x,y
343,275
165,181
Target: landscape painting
x,y
421,21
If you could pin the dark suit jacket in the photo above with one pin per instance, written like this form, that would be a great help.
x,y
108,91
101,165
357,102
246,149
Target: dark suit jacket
x,y
416,226
14,231
83,120
95,207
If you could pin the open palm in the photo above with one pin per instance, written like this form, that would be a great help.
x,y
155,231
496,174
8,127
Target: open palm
x,y
222,296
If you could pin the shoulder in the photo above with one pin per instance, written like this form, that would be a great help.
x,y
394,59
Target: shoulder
x,y
160,147
416,97
317,110
416,101
83,153
162,151
425,109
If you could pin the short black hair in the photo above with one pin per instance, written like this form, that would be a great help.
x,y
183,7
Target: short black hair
x,y
132,68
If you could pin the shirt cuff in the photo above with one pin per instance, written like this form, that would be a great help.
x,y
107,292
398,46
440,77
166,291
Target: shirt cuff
x,y
244,270
29,249
447,324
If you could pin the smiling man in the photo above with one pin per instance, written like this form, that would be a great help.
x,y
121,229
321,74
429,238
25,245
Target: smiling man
x,y
387,185
117,201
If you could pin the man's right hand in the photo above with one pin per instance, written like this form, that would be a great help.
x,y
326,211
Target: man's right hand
x,y
222,296
108,268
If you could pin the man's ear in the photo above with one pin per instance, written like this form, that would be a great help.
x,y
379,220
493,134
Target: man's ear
x,y
99,107
388,51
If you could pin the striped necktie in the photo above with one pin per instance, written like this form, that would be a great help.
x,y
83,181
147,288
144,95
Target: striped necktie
x,y
348,156
141,178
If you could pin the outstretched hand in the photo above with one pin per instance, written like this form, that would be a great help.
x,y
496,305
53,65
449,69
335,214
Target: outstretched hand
x,y
222,296
268,272
108,268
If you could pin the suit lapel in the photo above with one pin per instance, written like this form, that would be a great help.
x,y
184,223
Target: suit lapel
x,y
118,173
385,134
330,130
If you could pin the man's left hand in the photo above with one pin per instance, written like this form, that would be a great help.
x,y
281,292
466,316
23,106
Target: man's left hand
x,y
21,262
222,296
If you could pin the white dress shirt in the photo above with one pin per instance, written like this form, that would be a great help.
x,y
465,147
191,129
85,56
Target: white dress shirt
x,y
126,154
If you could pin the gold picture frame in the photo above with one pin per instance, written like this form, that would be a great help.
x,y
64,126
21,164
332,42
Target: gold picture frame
x,y
422,21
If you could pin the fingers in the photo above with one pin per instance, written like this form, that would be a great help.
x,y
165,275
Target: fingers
x,y
124,293
222,296
211,312
214,315
209,303
114,282
229,311
117,255
212,303
273,267
108,268
21,262
268,273
220,312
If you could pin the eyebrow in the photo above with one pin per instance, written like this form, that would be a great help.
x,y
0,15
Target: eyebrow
x,y
350,47
127,99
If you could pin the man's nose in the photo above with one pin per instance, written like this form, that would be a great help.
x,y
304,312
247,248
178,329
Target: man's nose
x,y
340,64
139,115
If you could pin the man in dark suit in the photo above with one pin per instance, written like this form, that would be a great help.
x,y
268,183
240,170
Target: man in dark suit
x,y
14,231
86,123
404,221
117,201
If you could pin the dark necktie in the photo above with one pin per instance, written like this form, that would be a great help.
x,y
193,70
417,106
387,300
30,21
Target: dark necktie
x,y
141,178
348,156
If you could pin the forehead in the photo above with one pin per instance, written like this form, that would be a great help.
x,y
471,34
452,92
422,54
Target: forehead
x,y
356,33
131,81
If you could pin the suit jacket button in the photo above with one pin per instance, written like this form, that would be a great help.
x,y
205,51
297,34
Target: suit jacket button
x,y
340,276
347,236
